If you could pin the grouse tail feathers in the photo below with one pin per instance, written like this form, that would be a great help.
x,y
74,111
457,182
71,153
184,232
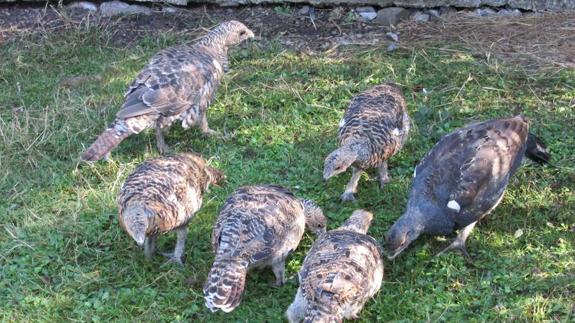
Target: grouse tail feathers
x,y
107,141
225,284
536,150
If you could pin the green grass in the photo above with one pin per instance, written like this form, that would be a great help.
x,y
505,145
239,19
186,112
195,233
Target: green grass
x,y
64,257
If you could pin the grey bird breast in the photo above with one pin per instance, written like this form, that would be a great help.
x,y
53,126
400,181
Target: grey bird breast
x,y
378,116
467,171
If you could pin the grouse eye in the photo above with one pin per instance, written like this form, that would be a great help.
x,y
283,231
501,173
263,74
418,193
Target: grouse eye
x,y
242,33
320,225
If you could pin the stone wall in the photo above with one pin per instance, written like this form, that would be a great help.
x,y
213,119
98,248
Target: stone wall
x,y
535,5
551,5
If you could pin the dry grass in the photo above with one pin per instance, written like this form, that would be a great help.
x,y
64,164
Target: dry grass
x,y
531,43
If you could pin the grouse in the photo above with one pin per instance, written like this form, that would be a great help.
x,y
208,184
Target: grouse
x,y
179,83
257,226
162,195
462,179
374,128
342,271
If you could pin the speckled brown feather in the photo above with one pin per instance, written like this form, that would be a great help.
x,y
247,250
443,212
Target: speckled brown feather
x,y
169,188
373,117
257,226
179,83
343,269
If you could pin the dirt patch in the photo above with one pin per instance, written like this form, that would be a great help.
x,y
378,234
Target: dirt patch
x,y
532,42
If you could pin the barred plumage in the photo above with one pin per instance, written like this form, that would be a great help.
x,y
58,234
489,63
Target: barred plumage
x,y
179,83
462,179
162,195
343,269
374,128
258,226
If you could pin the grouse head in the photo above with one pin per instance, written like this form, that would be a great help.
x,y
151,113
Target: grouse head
x,y
234,32
359,221
215,176
338,162
315,221
402,233
136,220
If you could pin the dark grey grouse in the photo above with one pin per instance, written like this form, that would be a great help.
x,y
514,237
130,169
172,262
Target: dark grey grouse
x,y
462,179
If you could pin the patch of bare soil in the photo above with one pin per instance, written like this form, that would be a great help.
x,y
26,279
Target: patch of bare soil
x,y
533,41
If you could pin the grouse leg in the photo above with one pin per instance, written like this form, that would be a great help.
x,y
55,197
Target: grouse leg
x,y
383,175
176,256
204,125
279,271
459,242
351,187
160,142
150,246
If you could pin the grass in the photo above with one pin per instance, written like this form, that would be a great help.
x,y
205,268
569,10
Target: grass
x,y
64,257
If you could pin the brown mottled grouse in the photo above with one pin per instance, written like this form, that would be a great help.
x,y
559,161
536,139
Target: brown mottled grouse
x,y
462,179
257,226
179,83
343,269
374,128
162,195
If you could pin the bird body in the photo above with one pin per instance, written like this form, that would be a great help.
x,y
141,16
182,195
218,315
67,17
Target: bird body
x,y
162,195
374,128
462,179
258,226
343,269
179,83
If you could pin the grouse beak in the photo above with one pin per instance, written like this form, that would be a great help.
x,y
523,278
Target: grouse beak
x,y
140,239
391,257
396,253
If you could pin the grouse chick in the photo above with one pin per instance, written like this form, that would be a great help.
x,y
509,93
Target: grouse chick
x,y
374,128
179,83
462,179
258,226
343,269
162,195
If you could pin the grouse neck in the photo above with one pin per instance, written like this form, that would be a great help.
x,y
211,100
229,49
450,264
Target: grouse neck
x,y
427,218
359,147
214,40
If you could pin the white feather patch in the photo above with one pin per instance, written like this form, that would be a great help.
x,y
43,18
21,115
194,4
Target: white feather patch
x,y
395,132
414,172
217,65
341,122
454,205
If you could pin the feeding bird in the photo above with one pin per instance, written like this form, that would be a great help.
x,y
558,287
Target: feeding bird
x,y
462,179
178,84
258,226
341,272
163,194
373,129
